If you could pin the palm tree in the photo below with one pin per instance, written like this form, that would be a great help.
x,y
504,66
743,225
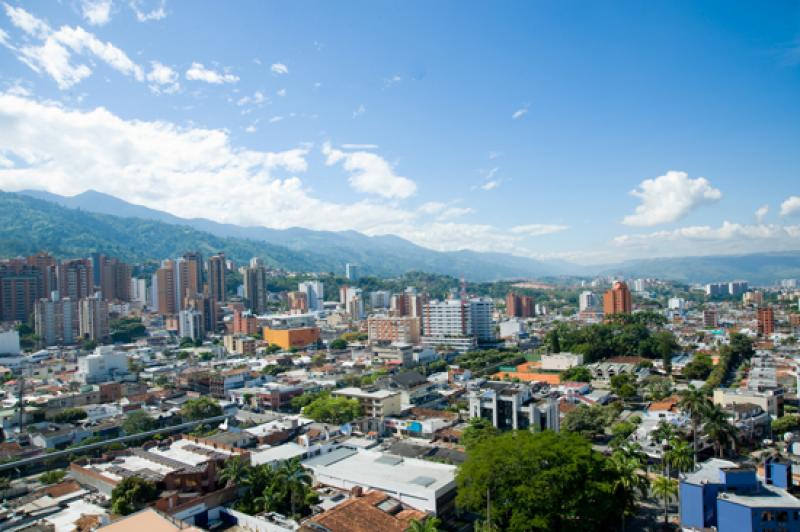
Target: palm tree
x,y
426,524
694,402
629,484
295,480
664,431
718,428
235,472
666,488
679,455
259,483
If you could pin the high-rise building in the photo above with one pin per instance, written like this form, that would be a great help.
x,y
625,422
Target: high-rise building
x,y
353,301
115,279
737,288
19,288
93,319
194,272
139,290
244,323
409,303
519,306
351,272
216,277
754,297
46,266
191,324
56,321
315,293
76,279
717,289
380,299
676,303
481,312
165,300
587,300
255,286
459,324
766,321
617,300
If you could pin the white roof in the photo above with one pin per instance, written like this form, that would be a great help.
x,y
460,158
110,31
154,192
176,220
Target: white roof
x,y
286,451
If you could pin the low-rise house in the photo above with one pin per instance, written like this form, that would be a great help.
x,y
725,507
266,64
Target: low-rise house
x,y
368,512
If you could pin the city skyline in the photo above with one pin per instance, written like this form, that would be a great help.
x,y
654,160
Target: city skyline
x,y
536,130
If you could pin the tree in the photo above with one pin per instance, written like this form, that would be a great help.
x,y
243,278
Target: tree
x,y
336,410
624,385
586,421
521,480
680,455
553,341
132,494
138,421
576,374
235,472
699,368
717,427
478,430
69,415
53,477
787,423
427,524
296,483
666,345
665,488
200,408
629,484
694,402
338,343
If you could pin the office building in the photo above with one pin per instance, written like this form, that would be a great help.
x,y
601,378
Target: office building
x,y
617,300
766,321
104,364
717,289
353,301
93,319
519,306
290,331
409,303
351,272
56,321
75,279
216,277
676,303
513,406
737,288
19,289
315,294
139,291
393,329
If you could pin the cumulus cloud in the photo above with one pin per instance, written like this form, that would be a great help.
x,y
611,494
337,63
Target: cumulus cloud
x,y
146,11
669,198
538,229
490,185
53,55
96,12
279,68
162,78
281,92
359,111
791,206
729,237
370,173
198,72
761,213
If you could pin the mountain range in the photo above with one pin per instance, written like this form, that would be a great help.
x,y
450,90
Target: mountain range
x,y
34,220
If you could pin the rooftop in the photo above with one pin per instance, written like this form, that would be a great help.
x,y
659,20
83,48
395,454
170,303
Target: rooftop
x,y
766,497
709,471
150,520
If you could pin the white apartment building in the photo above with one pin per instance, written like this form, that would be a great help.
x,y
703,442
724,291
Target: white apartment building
x,y
56,321
458,324
315,293
104,364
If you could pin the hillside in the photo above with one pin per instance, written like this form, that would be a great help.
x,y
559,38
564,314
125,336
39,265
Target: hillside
x,y
65,227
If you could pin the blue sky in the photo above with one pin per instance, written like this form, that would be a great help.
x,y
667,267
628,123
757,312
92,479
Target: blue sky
x,y
576,130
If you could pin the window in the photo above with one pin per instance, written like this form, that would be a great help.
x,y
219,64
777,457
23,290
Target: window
x,y
783,516
767,516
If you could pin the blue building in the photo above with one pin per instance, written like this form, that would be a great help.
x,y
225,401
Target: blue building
x,y
721,494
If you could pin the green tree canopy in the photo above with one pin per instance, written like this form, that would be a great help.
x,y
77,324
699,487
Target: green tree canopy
x,y
336,410
138,421
477,430
132,494
539,481
200,408
576,374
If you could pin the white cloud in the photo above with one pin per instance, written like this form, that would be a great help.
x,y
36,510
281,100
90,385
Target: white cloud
x,y
370,173
96,12
451,213
669,198
163,79
279,68
256,99
761,213
360,146
490,185
359,111
144,13
392,80
281,92
729,237
275,119
53,55
791,206
519,113
251,128
538,229
198,72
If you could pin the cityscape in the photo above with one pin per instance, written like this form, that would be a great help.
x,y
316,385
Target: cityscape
x,y
379,267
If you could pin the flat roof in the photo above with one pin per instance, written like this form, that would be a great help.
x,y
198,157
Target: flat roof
x,y
286,451
358,392
767,497
383,471
709,471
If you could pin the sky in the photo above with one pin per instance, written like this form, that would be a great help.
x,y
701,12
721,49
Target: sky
x,y
585,131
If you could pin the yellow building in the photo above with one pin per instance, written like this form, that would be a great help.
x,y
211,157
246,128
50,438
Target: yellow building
x,y
288,338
